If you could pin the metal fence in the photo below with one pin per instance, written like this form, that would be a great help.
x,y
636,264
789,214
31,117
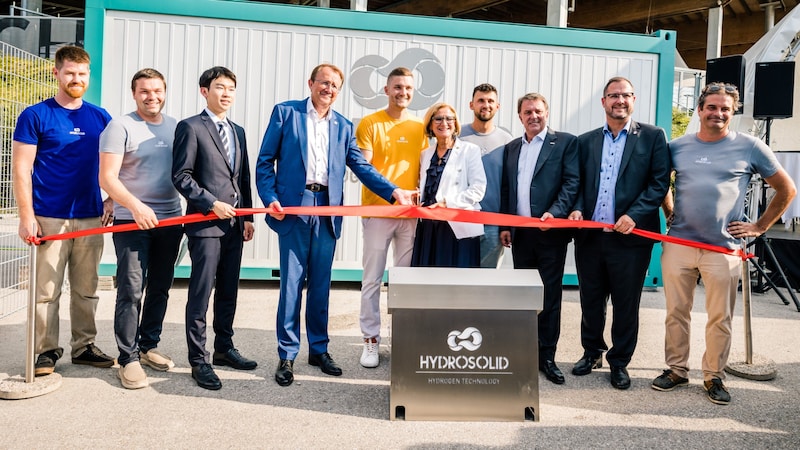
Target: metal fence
x,y
25,79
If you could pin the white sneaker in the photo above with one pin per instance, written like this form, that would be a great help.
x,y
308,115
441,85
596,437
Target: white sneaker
x,y
132,376
156,360
369,356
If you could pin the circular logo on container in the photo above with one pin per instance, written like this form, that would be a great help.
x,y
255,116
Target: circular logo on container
x,y
469,339
430,82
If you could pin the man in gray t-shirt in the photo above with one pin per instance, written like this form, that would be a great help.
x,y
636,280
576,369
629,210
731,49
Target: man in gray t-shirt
x,y
712,170
136,172
491,139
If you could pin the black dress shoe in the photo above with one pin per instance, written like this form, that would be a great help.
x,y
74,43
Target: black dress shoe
x,y
586,364
326,363
284,375
551,371
233,359
205,377
620,378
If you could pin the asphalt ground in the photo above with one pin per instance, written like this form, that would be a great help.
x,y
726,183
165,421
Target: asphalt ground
x,y
92,410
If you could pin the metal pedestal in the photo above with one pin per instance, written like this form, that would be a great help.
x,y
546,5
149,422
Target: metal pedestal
x,y
464,344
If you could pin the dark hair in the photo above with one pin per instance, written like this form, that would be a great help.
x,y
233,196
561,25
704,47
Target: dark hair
x,y
330,66
532,96
147,73
71,53
616,80
719,88
216,72
485,87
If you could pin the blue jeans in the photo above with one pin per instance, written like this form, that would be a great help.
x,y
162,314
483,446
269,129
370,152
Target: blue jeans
x,y
491,248
145,267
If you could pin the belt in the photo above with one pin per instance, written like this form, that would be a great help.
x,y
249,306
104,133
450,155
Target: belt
x,y
316,187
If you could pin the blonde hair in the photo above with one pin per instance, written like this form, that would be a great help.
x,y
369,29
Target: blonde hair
x,y
429,118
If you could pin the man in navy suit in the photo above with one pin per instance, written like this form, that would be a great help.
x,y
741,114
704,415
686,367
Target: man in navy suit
x,y
540,179
210,169
625,169
302,162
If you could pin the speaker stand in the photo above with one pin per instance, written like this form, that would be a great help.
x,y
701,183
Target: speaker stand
x,y
762,273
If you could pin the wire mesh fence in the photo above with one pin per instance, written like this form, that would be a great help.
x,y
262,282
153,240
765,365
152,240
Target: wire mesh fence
x,y
25,79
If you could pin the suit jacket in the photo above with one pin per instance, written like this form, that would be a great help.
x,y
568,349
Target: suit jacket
x,y
556,176
463,183
202,173
281,165
643,179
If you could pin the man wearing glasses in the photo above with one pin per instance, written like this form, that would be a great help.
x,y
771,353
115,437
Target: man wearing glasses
x,y
713,168
302,162
625,171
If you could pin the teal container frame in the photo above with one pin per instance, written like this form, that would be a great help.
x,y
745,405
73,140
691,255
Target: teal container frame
x,y
661,43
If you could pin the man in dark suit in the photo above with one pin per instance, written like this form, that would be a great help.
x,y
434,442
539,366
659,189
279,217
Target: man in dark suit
x,y
211,170
625,170
302,162
540,179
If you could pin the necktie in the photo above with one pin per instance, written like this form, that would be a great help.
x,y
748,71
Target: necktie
x,y
223,135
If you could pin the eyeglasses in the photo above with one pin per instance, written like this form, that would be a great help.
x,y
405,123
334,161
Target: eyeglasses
x,y
328,85
622,95
439,119
716,87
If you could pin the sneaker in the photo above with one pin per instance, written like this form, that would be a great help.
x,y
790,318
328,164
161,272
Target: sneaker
x,y
668,381
156,360
132,376
716,391
369,356
46,362
93,356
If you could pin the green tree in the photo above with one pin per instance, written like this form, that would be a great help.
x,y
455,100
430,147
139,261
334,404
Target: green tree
x,y
680,120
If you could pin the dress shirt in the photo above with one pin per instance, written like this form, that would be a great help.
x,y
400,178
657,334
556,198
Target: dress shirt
x,y
528,155
231,150
609,171
317,156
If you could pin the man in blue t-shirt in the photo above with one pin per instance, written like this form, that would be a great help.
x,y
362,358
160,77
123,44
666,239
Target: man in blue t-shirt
x,y
55,164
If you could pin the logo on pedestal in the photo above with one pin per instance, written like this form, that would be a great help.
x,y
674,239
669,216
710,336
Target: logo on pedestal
x,y
469,339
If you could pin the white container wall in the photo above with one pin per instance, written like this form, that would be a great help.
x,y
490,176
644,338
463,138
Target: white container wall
x,y
273,61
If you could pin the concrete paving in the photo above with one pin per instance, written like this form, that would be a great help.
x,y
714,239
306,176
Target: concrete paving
x,y
92,410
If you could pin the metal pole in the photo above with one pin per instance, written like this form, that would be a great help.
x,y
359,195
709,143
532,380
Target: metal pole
x,y
748,329
29,348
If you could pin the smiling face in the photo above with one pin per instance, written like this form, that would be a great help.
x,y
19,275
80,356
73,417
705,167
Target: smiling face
x,y
324,88
484,105
443,124
73,78
618,101
533,114
149,95
400,90
715,114
220,95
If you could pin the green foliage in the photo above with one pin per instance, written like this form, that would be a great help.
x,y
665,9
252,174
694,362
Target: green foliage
x,y
23,82
680,120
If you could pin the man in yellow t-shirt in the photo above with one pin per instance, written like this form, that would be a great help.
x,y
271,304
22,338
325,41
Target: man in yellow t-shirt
x,y
392,140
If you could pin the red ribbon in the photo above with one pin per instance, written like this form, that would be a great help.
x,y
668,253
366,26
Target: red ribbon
x,y
410,212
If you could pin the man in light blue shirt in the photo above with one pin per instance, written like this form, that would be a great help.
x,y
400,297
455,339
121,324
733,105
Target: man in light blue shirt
x,y
624,170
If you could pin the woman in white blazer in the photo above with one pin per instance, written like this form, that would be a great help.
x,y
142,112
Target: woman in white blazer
x,y
452,176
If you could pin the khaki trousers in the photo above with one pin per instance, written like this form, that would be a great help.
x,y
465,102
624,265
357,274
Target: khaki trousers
x,y
680,267
81,256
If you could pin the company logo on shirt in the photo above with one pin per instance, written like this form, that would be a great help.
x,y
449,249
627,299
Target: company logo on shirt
x,y
702,160
402,140
161,144
77,132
